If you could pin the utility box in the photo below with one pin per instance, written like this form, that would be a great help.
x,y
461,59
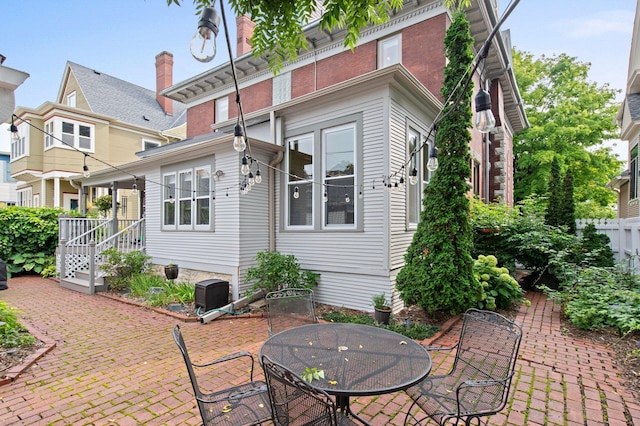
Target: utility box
x,y
3,275
211,294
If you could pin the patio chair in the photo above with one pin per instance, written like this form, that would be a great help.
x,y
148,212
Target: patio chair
x,y
245,404
295,402
289,308
479,381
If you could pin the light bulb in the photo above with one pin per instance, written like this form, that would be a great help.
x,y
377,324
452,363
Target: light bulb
x,y
347,199
360,195
15,135
85,171
252,180
296,193
432,164
401,183
325,197
413,179
258,176
203,43
134,189
171,199
485,121
245,166
238,139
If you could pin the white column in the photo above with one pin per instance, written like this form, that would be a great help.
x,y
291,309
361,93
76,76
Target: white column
x,y
56,192
43,193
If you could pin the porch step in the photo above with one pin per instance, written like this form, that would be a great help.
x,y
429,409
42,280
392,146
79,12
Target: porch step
x,y
84,276
81,285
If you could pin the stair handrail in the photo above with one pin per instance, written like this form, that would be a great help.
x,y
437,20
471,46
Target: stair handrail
x,y
83,236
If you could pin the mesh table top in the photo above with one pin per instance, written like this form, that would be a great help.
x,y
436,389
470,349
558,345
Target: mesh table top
x,y
356,359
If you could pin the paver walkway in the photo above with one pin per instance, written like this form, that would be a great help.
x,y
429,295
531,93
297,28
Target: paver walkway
x,y
116,364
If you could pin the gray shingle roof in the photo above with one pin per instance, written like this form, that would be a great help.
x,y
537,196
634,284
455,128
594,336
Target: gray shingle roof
x,y
634,105
125,101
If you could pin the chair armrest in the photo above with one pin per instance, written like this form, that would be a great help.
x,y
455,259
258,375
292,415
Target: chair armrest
x,y
229,357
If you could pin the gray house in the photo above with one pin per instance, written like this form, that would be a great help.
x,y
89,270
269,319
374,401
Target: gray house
x,y
331,136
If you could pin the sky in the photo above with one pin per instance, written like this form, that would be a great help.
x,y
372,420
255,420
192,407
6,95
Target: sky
x,y
122,37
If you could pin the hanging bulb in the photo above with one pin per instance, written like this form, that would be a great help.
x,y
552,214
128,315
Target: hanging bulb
x,y
296,193
252,180
360,195
85,171
401,183
134,189
258,176
413,179
245,166
203,43
171,199
15,135
485,121
346,198
325,197
432,164
239,143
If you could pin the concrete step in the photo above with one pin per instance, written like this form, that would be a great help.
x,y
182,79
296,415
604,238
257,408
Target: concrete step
x,y
84,276
80,285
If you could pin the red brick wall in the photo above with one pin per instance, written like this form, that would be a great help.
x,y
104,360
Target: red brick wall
x,y
302,81
200,118
253,98
423,52
346,65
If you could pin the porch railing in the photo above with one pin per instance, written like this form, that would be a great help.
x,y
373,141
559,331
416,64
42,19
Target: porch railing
x,y
76,253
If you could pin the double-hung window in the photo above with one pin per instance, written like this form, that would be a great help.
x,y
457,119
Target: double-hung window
x,y
418,156
633,173
62,132
322,174
390,51
24,197
186,198
20,145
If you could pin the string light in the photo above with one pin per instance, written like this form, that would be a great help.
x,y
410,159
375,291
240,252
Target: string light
x,y
239,143
245,166
258,176
325,197
85,169
296,193
346,198
134,187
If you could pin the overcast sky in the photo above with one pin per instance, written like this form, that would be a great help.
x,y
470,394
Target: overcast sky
x,y
122,37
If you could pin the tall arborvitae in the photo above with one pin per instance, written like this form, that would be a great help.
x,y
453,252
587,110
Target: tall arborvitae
x,y
438,271
568,208
554,203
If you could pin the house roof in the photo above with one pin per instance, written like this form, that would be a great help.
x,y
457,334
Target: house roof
x,y
633,100
122,100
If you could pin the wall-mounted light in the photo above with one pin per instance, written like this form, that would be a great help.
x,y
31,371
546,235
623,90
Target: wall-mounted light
x,y
217,175
203,43
485,121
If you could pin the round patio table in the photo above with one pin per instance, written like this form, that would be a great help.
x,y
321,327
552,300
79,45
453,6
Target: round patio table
x,y
357,360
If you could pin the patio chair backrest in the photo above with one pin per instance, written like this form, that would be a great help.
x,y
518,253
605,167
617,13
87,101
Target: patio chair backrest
x,y
289,308
294,401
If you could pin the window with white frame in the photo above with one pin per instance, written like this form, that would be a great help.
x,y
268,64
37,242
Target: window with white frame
x,y
222,109
390,51
71,99
69,133
633,175
124,206
322,174
186,198
418,155
20,145
36,200
24,197
149,144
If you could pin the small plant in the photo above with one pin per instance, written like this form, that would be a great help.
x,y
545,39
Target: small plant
x,y
122,266
312,373
276,271
12,333
380,302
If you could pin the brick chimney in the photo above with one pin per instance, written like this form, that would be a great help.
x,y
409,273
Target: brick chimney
x,y
164,79
244,31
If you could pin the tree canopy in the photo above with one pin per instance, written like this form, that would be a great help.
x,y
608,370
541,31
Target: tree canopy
x,y
570,118
278,32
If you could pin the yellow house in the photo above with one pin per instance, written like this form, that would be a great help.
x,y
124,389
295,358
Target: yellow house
x,y
96,122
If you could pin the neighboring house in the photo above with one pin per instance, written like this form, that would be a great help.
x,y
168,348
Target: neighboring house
x,y
96,120
7,183
330,126
628,118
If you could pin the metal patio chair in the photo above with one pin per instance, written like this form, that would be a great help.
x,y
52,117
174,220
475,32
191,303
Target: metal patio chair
x,y
245,404
288,308
295,402
479,381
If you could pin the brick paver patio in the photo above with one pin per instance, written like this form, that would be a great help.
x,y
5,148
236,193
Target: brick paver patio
x,y
116,364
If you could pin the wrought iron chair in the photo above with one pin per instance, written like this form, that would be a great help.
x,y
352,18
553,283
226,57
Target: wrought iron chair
x,y
289,308
245,404
295,402
479,381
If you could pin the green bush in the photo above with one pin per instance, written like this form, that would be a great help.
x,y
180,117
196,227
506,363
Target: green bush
x,y
12,333
120,267
28,237
416,331
276,271
500,289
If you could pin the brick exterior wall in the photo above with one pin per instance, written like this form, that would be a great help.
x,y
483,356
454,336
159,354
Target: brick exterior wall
x,y
253,98
200,118
164,79
346,65
303,81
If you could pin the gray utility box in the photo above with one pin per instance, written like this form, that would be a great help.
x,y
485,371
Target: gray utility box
x,y
211,294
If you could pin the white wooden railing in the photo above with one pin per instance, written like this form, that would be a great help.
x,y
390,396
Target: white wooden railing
x,y
624,235
76,253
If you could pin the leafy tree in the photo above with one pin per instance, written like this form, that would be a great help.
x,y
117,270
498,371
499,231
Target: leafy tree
x,y
569,116
555,195
438,271
278,32
567,209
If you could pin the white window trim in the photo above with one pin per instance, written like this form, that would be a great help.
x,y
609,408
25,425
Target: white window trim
x,y
289,184
71,99
56,122
193,197
169,227
151,142
381,43
23,132
49,134
24,197
197,196
221,109
179,197
422,157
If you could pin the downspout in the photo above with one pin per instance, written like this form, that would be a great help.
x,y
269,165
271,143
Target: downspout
x,y
487,165
272,185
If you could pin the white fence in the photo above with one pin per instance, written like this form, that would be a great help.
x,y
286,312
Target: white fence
x,y
623,233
